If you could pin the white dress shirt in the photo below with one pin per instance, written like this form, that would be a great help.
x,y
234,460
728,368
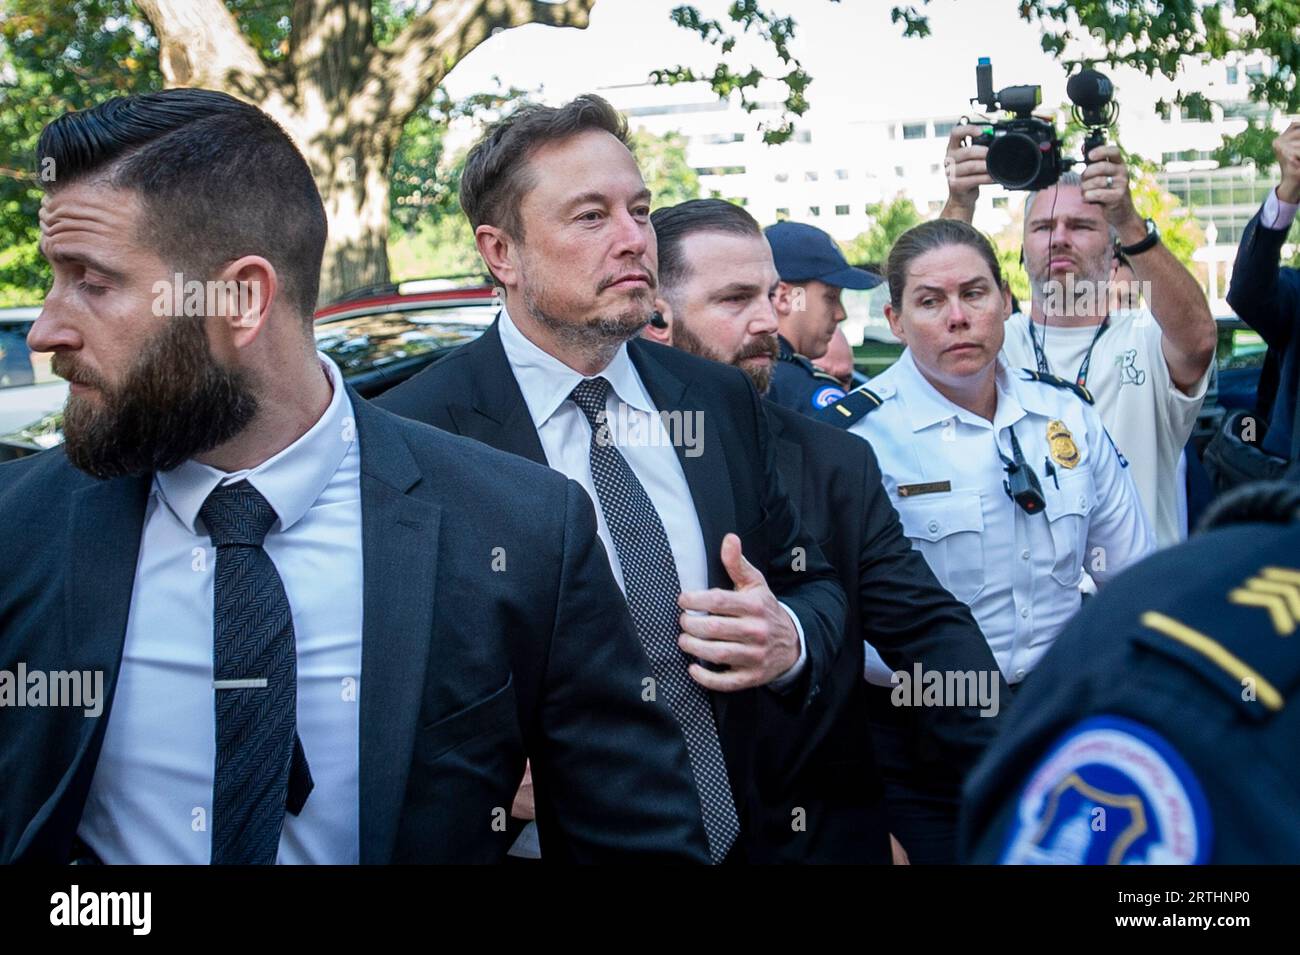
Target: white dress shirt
x,y
151,797
565,435
1277,214
1018,572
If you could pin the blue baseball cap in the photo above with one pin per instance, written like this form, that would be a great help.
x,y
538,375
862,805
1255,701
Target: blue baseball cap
x,y
804,253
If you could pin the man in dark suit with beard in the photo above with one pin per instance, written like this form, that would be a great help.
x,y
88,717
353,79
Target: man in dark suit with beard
x,y
717,280
733,602
311,631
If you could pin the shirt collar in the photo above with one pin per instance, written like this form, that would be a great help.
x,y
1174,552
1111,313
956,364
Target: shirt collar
x,y
291,481
927,407
1030,395
546,382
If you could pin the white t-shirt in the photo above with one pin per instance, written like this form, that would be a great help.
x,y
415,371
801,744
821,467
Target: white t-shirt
x,y
1148,417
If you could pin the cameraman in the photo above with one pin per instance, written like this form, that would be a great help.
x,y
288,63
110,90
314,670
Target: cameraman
x,y
1267,298
1147,378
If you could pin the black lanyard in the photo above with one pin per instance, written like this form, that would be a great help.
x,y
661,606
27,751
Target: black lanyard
x,y
1081,379
1021,484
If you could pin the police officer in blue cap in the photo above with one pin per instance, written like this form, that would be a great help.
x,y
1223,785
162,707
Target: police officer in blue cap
x,y
813,273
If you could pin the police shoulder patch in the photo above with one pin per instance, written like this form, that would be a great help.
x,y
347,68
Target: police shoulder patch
x,y
826,395
1110,791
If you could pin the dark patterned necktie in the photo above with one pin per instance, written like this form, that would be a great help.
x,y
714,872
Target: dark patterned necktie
x,y
261,768
652,586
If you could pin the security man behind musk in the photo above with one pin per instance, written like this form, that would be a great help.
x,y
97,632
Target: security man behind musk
x,y
1162,727
732,599
328,634
717,283
809,306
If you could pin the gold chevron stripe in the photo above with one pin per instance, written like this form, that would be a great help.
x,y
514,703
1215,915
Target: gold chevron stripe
x,y
1275,606
1266,692
1288,592
1283,574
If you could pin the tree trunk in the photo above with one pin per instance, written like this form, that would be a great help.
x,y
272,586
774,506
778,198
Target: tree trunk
x,y
341,97
351,171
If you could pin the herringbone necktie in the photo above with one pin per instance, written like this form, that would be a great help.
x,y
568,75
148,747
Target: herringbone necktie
x,y
254,672
652,586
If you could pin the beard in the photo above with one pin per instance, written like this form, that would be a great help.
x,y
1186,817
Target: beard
x,y
1091,274
175,402
600,333
765,346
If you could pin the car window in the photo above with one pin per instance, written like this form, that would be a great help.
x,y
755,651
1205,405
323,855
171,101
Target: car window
x,y
372,340
1240,348
19,365
866,321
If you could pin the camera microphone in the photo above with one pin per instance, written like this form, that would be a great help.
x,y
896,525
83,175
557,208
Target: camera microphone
x,y
1093,93
984,84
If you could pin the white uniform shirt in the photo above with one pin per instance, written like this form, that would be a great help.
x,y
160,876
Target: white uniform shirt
x,y
1018,572
1144,411
150,799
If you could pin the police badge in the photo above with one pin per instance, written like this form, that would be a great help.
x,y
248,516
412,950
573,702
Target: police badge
x,y
1111,792
1061,443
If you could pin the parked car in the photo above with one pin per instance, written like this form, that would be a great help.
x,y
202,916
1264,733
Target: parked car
x,y
379,337
1234,380
28,389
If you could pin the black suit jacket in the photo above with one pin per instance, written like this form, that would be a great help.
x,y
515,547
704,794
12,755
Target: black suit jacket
x,y
734,486
464,669
1267,298
894,602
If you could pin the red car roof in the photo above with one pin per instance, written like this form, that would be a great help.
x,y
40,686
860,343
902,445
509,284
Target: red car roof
x,y
484,292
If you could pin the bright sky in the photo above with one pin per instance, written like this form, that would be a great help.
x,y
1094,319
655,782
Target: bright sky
x,y
861,65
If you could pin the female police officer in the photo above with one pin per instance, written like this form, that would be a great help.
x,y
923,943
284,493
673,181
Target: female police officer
x,y
1005,479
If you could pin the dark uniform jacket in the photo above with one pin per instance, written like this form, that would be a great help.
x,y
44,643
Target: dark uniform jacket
x,y
799,385
1164,724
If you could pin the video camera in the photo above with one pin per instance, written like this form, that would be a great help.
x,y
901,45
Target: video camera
x,y
1024,151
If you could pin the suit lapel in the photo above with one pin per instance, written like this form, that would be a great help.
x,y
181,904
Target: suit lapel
x,y
707,474
789,461
497,414
104,528
399,549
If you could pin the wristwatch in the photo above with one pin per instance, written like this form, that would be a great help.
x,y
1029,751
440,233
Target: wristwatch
x,y
1146,242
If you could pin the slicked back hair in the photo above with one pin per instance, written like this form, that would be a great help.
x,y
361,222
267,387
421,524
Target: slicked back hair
x,y
218,179
497,173
674,224
928,236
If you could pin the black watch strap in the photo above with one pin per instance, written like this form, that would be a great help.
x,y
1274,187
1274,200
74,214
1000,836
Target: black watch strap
x,y
1146,242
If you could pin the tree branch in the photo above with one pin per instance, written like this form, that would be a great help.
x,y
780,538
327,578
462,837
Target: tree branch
x,y
406,73
199,43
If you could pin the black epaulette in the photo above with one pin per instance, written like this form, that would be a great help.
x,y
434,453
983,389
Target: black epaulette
x,y
850,409
801,361
824,376
1056,382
